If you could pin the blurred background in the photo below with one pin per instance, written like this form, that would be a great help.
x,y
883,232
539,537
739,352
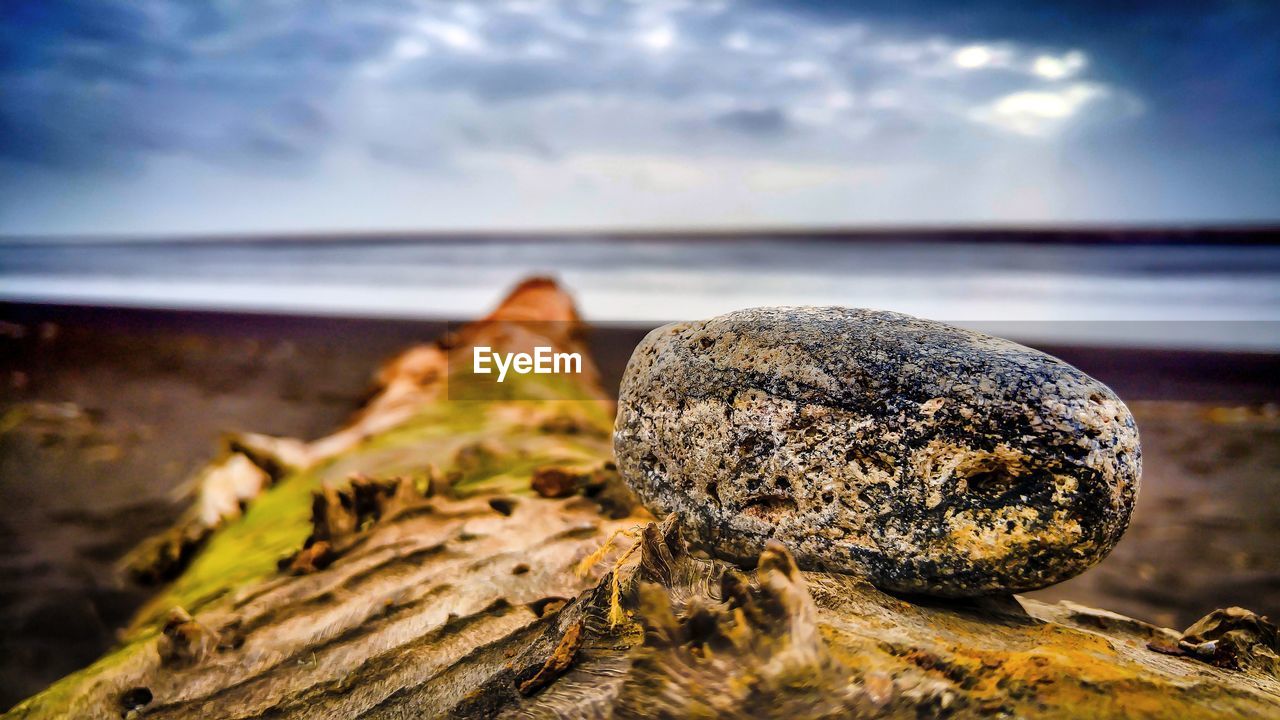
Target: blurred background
x,y
223,216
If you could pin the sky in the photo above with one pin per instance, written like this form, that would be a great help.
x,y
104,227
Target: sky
x,y
166,117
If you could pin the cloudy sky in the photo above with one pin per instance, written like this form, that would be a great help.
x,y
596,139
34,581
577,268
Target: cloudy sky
x,y
166,116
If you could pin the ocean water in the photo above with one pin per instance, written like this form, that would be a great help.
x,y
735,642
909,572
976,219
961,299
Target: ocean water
x,y
1194,296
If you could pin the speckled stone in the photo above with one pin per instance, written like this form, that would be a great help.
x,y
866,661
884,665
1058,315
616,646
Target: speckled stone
x,y
928,458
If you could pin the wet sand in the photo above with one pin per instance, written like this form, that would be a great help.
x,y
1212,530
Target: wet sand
x,y
105,414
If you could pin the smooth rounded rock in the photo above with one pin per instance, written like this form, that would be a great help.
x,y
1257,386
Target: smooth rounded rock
x,y
928,458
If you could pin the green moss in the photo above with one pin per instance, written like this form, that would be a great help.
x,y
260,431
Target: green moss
x,y
465,387
274,525
277,522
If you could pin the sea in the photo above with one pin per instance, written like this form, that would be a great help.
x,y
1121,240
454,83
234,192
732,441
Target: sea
x,y
1099,289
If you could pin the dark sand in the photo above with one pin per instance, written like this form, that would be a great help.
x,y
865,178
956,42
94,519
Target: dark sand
x,y
105,414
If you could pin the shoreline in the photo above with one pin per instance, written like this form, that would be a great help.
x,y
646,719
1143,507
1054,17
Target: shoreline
x,y
1227,377
1204,297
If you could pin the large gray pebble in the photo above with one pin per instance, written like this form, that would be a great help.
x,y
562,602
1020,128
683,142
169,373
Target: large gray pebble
x,y
928,458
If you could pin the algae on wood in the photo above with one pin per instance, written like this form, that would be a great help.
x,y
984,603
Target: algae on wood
x,y
404,567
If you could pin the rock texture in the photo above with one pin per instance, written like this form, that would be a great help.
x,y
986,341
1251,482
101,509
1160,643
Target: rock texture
x,y
928,458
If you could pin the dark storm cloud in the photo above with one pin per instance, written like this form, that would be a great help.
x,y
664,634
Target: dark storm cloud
x,y
112,82
763,122
108,83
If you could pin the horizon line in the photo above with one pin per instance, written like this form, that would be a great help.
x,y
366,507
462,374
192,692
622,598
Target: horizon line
x,y
1218,233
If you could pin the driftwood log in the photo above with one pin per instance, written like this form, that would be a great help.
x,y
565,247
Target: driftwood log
x,y
452,553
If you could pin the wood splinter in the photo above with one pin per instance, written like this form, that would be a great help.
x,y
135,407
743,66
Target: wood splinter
x,y
559,661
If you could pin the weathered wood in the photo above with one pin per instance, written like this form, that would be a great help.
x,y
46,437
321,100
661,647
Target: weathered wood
x,y
436,582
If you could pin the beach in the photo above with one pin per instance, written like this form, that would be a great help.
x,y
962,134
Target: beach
x,y
107,413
